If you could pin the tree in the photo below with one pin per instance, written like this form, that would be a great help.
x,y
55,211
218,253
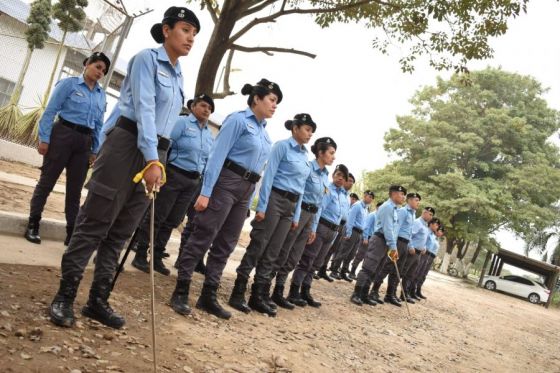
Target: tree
x,y
70,15
479,152
38,27
449,33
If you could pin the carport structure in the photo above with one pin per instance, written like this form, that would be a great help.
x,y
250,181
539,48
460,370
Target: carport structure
x,y
548,271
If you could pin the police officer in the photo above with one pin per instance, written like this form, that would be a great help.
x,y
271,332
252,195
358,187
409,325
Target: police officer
x,y
362,249
417,246
322,272
383,242
71,142
426,264
150,101
307,216
406,216
236,161
353,235
353,199
191,142
281,191
314,253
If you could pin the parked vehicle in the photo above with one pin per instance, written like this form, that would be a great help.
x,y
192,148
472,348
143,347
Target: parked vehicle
x,y
531,290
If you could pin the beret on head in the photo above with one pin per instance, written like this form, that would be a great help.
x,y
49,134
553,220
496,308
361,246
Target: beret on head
x,y
176,14
201,97
342,168
397,188
413,195
300,120
430,209
370,193
263,87
98,56
434,221
354,195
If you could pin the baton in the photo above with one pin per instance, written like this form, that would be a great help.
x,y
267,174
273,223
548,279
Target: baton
x,y
152,282
402,287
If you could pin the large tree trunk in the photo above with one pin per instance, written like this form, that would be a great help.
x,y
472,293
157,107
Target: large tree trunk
x,y
217,47
17,90
450,244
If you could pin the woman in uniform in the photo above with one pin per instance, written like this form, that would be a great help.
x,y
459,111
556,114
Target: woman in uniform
x,y
150,102
281,191
235,164
71,142
191,142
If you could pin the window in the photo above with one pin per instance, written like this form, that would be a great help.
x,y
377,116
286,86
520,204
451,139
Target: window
x,y
6,90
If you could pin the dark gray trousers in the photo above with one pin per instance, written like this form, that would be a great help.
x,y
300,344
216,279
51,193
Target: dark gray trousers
x,y
217,228
170,209
422,272
292,250
377,252
309,261
347,251
409,269
267,239
68,149
387,267
360,255
113,208
335,246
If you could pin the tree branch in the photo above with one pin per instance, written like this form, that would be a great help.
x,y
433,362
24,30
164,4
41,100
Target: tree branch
x,y
268,50
212,11
227,69
257,8
283,12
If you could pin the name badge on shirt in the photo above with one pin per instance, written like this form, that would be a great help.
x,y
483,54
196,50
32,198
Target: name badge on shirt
x,y
78,93
163,73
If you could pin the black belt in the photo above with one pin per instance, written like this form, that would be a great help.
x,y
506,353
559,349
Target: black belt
x,y
309,207
250,176
380,235
284,193
130,126
358,230
76,127
403,240
431,254
328,224
190,174
342,222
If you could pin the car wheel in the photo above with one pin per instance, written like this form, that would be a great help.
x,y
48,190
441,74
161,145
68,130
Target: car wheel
x,y
490,285
534,298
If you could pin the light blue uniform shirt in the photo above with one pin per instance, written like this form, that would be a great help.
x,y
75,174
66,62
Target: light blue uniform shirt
x,y
75,102
370,224
243,140
406,216
357,218
316,186
287,169
191,144
434,244
331,206
345,206
386,223
152,96
420,232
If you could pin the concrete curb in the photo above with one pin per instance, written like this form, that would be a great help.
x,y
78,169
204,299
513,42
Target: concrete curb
x,y
14,223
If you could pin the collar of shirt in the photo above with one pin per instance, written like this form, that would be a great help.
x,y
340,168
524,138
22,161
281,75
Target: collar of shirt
x,y
193,119
364,206
315,167
81,80
249,113
424,222
411,210
162,56
294,144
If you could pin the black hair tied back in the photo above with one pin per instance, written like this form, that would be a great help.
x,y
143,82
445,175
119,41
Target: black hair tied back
x,y
289,124
246,90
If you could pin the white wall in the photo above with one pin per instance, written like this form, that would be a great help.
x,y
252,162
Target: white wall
x,y
12,54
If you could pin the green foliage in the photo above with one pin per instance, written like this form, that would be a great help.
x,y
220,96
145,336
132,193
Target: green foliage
x,y
70,14
38,24
479,153
450,33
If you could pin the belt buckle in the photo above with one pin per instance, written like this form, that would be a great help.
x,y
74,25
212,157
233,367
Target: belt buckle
x,y
246,175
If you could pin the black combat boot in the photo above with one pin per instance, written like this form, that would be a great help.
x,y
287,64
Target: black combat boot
x,y
61,311
419,292
257,303
344,276
69,231
390,296
404,296
160,267
140,261
98,307
335,275
322,273
306,296
352,275
278,298
364,296
32,230
208,301
356,297
237,298
412,293
266,296
200,267
294,296
374,294
180,298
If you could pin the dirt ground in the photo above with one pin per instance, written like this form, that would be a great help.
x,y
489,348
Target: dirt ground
x,y
460,328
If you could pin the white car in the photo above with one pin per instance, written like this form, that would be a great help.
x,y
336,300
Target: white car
x,y
523,287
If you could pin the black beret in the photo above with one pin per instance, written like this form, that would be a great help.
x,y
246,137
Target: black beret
x,y
413,195
99,56
434,221
328,141
354,195
352,176
342,168
430,209
201,97
397,188
174,13
370,193
299,120
271,87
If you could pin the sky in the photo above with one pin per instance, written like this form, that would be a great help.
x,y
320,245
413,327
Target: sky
x,y
353,92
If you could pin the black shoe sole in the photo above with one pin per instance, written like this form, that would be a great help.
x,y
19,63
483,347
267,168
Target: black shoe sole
x,y
65,323
244,309
35,241
92,315
226,316
140,268
183,312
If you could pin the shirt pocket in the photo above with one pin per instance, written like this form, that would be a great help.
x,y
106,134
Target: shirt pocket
x,y
78,97
163,78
